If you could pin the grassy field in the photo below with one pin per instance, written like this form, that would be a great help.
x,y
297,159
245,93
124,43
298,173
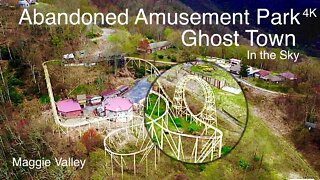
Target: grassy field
x,y
215,73
168,55
281,87
234,104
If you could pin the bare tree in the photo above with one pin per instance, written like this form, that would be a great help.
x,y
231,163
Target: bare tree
x,y
5,86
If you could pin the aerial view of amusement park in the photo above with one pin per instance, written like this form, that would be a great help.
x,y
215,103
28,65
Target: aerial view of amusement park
x,y
114,92
143,89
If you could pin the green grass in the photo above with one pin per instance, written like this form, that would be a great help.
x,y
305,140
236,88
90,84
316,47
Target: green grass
x,y
157,111
151,79
169,55
84,89
215,73
281,87
183,124
280,159
94,32
261,154
234,104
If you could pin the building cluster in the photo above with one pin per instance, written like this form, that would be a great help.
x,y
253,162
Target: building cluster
x,y
276,78
234,66
109,103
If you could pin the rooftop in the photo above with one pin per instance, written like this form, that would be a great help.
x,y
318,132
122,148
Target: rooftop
x,y
68,105
263,73
118,104
108,92
159,44
68,56
288,75
275,78
81,97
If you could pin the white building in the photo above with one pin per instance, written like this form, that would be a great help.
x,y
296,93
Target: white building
x,y
23,4
118,109
235,61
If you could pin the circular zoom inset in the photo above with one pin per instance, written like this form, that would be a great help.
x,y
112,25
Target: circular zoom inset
x,y
196,112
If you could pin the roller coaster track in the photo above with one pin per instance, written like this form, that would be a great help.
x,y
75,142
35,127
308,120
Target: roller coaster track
x,y
206,146
64,127
137,129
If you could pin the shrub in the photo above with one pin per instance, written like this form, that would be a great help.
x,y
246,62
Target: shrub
x,y
193,127
98,81
56,98
154,140
91,35
79,149
225,150
202,167
15,97
139,72
244,165
160,56
256,158
91,139
177,121
15,82
57,42
173,59
44,99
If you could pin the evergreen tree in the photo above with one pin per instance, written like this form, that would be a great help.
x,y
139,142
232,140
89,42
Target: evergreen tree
x,y
244,70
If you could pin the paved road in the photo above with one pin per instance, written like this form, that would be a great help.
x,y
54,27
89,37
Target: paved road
x,y
139,90
106,32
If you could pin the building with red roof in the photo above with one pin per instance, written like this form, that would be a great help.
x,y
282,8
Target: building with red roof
x,y
262,73
111,93
69,108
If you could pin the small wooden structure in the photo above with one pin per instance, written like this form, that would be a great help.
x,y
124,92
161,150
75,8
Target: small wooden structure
x,y
82,100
